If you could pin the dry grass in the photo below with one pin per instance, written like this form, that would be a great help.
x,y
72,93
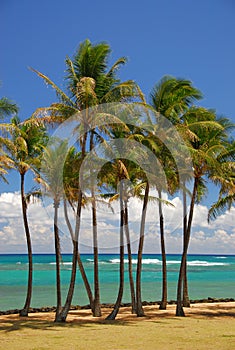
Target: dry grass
x,y
207,326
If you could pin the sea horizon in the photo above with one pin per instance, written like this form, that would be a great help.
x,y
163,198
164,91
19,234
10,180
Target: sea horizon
x,y
117,253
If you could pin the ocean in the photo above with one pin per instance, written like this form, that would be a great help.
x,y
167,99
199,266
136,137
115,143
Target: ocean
x,y
208,276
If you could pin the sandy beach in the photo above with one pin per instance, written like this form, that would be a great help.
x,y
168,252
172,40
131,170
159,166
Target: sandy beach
x,y
206,326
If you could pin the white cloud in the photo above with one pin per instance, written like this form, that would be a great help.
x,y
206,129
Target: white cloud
x,y
219,241
225,221
12,230
200,216
216,237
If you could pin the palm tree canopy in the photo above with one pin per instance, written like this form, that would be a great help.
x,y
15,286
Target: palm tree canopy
x,y
172,96
59,173
92,61
7,107
89,82
26,145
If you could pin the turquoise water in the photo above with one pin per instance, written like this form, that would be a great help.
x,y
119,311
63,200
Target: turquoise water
x,y
209,275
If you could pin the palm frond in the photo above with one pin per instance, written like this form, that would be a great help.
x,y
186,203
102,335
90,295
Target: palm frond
x,y
59,92
122,92
7,107
116,66
220,206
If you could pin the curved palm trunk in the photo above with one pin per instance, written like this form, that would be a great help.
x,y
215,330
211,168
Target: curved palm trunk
x,y
86,282
186,301
61,317
139,307
163,250
57,254
179,307
25,310
130,270
116,308
80,264
65,310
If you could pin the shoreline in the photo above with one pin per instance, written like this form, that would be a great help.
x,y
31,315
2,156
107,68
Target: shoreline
x,y
46,309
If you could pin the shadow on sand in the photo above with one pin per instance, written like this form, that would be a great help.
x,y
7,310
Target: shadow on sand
x,y
80,318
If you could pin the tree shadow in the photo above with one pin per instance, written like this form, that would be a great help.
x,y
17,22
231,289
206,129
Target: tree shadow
x,y
11,324
213,312
80,318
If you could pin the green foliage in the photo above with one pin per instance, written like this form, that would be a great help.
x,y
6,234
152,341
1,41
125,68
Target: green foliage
x,y
171,97
91,62
27,141
7,107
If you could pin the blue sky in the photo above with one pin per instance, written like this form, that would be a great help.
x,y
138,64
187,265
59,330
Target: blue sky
x,y
185,38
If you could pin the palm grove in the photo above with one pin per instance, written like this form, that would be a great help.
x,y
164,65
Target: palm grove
x,y
113,114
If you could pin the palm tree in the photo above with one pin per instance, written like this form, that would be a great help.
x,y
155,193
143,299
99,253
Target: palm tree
x,y
61,317
141,156
114,176
102,86
171,97
51,177
110,176
27,144
90,82
207,147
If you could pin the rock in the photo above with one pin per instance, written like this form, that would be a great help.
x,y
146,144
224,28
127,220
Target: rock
x,y
86,307
210,299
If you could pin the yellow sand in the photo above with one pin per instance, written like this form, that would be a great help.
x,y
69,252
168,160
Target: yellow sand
x,y
207,326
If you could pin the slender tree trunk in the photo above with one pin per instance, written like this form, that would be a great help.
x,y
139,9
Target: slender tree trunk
x,y
179,307
97,306
80,264
186,301
57,254
130,270
164,267
139,307
117,305
65,310
25,310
